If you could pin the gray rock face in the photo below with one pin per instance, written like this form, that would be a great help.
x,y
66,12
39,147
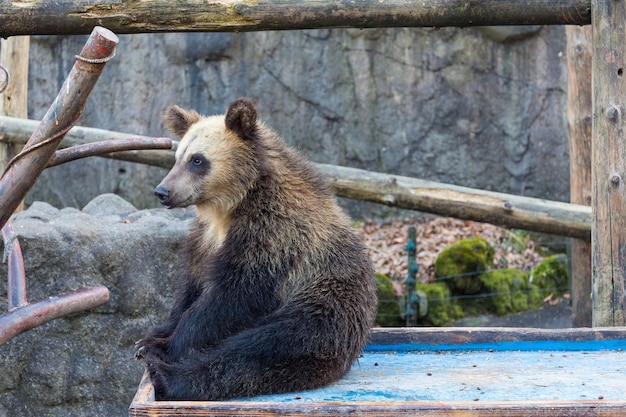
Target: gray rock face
x,y
82,365
482,107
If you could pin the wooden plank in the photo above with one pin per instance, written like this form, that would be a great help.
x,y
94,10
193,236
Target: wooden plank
x,y
579,120
403,378
72,17
608,240
463,337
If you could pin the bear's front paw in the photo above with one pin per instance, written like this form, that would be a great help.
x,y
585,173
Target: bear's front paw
x,y
150,346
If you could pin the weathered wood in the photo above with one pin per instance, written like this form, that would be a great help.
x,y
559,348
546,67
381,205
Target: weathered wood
x,y
449,372
461,202
21,172
127,16
393,190
579,120
14,54
608,243
18,131
452,337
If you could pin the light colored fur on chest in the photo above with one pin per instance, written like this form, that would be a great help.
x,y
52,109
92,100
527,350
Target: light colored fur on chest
x,y
215,224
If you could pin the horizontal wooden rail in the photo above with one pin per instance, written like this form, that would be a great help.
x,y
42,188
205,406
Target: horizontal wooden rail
x,y
462,202
393,190
16,131
73,17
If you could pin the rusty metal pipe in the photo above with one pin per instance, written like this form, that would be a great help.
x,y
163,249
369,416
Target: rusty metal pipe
x,y
23,170
16,282
32,315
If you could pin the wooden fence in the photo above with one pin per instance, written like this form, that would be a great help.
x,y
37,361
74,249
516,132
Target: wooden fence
x,y
596,114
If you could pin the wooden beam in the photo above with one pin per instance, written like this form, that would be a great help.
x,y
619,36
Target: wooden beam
x,y
579,120
608,242
130,16
461,202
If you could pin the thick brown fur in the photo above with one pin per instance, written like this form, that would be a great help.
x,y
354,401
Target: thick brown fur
x,y
277,291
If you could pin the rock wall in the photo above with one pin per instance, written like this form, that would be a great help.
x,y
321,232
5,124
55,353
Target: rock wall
x,y
83,365
478,107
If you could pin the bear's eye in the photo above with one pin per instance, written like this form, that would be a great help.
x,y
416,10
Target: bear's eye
x,y
198,164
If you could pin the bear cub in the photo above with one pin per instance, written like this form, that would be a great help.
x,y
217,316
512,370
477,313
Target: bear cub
x,y
276,290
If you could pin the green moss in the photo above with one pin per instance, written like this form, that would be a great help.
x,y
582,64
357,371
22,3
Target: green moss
x,y
551,276
388,314
461,264
509,291
442,309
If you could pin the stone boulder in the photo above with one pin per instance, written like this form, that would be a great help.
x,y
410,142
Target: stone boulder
x,y
83,365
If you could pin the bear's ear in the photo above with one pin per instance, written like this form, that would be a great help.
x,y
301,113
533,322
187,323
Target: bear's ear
x,y
178,120
241,118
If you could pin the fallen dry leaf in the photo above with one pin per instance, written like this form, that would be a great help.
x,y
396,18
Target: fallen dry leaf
x,y
387,245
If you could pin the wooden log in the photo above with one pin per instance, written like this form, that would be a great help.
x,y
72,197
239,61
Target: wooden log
x,y
461,202
579,120
608,243
21,172
392,190
72,17
18,131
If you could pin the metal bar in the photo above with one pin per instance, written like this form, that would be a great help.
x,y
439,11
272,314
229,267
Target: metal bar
x,y
23,170
32,315
93,149
16,281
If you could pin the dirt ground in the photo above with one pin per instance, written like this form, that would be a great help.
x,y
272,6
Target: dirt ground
x,y
547,317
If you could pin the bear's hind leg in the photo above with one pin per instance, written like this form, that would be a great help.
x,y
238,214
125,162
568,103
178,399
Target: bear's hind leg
x,y
254,362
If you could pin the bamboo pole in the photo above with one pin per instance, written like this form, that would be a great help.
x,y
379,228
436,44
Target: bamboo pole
x,y
579,120
608,242
73,17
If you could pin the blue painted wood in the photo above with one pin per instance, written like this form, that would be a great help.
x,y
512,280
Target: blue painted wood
x,y
506,371
527,346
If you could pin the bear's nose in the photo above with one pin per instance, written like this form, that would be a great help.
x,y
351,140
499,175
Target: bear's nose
x,y
163,194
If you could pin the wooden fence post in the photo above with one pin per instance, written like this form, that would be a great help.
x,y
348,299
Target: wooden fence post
x,y
608,235
14,55
579,121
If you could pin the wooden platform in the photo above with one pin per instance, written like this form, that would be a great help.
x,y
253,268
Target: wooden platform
x,y
451,372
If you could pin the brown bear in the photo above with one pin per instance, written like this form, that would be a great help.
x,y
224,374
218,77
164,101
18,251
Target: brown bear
x,y
277,292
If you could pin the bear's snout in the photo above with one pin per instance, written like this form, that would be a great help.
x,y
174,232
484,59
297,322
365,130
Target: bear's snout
x,y
163,194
